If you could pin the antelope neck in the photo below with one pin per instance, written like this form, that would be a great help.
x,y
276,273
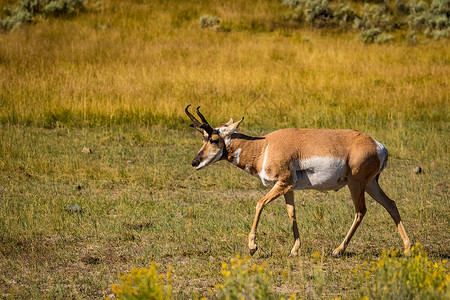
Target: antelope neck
x,y
240,143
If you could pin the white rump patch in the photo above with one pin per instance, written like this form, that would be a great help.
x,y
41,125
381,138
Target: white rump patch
x,y
382,154
319,173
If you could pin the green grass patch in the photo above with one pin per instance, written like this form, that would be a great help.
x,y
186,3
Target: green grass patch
x,y
141,201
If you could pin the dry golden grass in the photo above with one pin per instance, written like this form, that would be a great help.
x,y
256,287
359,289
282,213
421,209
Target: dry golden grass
x,y
143,63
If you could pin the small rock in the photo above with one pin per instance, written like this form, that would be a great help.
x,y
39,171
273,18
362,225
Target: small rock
x,y
112,296
417,170
91,260
86,150
74,208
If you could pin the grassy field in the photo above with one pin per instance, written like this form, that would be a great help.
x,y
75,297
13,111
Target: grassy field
x,y
116,79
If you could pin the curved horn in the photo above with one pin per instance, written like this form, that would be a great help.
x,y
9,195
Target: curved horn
x,y
201,116
205,124
195,123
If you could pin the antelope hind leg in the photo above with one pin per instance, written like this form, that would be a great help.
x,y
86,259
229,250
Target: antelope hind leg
x,y
290,206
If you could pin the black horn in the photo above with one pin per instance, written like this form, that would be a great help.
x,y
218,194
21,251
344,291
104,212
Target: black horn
x,y
202,127
195,123
201,116
205,124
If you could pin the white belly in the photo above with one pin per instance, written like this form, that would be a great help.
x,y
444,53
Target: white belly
x,y
319,173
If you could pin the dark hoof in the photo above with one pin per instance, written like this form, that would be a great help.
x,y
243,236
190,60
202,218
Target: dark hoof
x,y
252,251
336,255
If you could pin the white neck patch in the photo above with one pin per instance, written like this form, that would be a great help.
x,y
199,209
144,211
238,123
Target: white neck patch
x,y
225,135
265,178
236,156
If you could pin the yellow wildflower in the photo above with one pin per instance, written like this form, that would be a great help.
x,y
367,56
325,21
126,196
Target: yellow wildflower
x,y
316,255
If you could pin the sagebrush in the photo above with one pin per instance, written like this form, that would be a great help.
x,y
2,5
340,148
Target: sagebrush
x,y
27,10
430,19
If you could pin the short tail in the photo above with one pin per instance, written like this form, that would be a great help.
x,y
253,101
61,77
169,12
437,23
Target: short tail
x,y
382,155
383,163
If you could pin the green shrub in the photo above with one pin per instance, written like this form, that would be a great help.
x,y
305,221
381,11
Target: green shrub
x,y
384,38
375,19
439,34
413,276
433,20
375,35
244,281
17,16
419,15
344,15
16,20
402,7
209,21
317,13
241,280
63,8
439,23
144,283
292,3
374,16
411,38
27,10
369,36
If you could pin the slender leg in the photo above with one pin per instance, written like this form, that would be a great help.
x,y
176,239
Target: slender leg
x,y
275,192
375,191
290,206
357,192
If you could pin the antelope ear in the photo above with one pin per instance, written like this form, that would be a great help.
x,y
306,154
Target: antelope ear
x,y
229,122
230,129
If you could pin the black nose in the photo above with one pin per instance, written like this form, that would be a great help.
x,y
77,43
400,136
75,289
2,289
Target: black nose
x,y
197,159
195,163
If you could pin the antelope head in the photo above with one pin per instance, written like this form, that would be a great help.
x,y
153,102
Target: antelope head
x,y
215,140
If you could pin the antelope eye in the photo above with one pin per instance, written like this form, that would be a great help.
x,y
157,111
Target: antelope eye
x,y
214,141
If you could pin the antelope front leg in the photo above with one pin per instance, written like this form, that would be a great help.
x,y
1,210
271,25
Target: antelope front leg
x,y
275,192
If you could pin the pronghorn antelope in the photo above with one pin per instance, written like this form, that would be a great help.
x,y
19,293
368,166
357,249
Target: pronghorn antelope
x,y
296,159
